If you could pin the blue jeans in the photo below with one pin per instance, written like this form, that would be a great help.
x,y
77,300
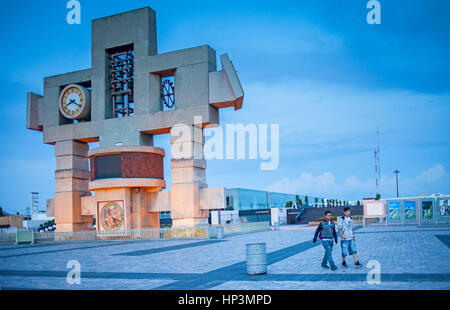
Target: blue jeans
x,y
348,247
328,257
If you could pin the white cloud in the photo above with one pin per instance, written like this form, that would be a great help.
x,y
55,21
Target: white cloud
x,y
327,185
434,173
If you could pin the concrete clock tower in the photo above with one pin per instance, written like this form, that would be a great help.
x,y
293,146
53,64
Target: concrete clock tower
x,y
130,94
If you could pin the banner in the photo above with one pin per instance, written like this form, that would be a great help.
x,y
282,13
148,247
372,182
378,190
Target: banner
x,y
410,210
427,210
444,208
394,210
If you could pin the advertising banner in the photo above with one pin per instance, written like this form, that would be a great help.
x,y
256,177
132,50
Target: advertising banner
x,y
444,208
410,207
394,210
427,210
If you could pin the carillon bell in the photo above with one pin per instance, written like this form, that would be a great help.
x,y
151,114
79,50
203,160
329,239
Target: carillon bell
x,y
119,86
119,99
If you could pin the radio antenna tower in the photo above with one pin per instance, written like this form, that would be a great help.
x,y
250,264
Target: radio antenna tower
x,y
377,165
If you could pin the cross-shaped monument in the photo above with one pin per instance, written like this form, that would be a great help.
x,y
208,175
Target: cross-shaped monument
x,y
130,94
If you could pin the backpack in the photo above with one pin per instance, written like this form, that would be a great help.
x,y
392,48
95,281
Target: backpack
x,y
331,225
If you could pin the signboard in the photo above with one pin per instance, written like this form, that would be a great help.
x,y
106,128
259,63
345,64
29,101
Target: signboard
x,y
410,207
444,208
374,209
427,210
394,210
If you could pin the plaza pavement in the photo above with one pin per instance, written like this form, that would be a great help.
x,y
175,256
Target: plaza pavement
x,y
409,257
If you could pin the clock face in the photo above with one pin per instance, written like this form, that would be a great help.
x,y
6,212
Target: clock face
x,y
74,101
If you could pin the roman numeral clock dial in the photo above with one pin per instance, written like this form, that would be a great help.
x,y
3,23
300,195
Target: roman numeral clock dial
x,y
74,101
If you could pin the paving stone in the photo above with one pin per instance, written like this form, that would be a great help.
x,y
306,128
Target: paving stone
x,y
409,257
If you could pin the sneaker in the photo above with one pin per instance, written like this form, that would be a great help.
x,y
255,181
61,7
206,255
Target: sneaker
x,y
333,268
325,266
358,264
344,265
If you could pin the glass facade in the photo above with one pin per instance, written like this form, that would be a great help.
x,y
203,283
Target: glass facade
x,y
249,199
242,199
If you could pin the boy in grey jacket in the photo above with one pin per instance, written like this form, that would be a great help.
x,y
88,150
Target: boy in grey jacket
x,y
327,233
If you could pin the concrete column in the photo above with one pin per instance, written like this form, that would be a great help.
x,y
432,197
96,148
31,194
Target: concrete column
x,y
141,218
188,175
72,182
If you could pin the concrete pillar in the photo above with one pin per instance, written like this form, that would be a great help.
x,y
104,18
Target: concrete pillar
x,y
188,175
72,182
142,219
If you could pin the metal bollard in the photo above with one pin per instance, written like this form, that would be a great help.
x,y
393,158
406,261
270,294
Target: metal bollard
x,y
256,258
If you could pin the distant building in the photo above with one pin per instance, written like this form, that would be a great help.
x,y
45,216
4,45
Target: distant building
x,y
38,218
249,205
241,199
11,221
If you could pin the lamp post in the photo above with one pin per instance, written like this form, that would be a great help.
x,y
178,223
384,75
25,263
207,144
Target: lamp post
x,y
396,179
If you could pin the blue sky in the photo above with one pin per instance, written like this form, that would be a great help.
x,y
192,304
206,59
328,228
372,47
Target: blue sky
x,y
314,67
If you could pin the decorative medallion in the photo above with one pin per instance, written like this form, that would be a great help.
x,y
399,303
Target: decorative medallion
x,y
112,216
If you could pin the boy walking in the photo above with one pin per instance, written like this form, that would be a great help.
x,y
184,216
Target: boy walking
x,y
327,233
346,228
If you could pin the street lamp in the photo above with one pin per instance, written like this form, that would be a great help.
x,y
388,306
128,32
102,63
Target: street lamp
x,y
396,179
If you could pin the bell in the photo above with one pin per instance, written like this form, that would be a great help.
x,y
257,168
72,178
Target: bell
x,y
119,86
119,99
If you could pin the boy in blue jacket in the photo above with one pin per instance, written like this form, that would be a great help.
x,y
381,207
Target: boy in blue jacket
x,y
327,233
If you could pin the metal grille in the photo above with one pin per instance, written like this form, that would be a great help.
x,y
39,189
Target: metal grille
x,y
122,78
167,93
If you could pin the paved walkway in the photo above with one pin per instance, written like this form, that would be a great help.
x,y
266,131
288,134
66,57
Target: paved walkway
x,y
409,258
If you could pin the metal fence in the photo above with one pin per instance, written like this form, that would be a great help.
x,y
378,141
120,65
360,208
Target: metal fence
x,y
197,232
233,229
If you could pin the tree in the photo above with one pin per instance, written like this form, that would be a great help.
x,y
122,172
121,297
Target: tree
x,y
306,200
1,212
378,197
298,201
289,204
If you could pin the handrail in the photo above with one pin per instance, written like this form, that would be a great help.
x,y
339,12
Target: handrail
x,y
298,217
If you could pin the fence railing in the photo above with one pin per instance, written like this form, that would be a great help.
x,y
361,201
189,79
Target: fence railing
x,y
197,232
233,229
